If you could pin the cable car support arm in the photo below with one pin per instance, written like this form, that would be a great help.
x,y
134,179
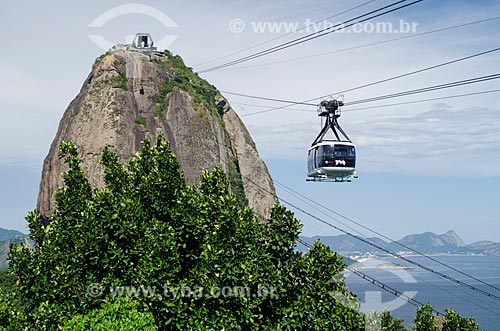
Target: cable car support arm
x,y
330,110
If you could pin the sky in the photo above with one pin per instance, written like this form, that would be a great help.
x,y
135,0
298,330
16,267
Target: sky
x,y
430,166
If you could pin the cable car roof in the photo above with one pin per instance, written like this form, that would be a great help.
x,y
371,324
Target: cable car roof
x,y
332,142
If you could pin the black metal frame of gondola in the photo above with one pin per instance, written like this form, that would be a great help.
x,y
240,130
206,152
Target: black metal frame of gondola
x,y
331,110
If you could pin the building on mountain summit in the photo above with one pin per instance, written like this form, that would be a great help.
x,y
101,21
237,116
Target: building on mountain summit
x,y
142,43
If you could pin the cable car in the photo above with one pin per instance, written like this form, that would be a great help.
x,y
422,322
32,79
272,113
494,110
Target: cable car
x,y
331,159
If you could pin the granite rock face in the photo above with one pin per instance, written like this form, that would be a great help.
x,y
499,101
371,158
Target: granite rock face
x,y
130,96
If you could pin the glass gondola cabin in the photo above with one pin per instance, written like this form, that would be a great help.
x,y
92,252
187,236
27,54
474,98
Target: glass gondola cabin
x,y
333,160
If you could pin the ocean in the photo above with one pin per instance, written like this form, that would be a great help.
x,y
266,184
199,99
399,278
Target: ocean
x,y
425,287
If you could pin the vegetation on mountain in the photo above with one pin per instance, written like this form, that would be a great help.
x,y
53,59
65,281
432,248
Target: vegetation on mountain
x,y
9,234
5,246
202,92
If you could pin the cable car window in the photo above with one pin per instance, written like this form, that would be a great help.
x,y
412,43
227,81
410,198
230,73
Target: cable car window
x,y
328,156
344,151
325,156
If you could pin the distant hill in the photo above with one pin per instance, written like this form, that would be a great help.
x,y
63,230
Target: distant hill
x,y
488,247
427,242
345,243
7,234
9,237
431,242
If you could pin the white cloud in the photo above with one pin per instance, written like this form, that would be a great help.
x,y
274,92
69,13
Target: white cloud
x,y
454,142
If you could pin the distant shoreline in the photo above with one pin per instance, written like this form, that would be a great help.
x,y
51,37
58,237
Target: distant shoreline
x,y
368,256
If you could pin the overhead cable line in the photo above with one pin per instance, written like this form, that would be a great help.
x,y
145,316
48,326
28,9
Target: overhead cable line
x,y
399,256
389,289
308,102
423,100
323,32
487,305
382,106
494,309
305,200
416,71
389,96
410,92
185,79
427,89
261,98
267,107
379,284
286,34
366,45
381,81
289,189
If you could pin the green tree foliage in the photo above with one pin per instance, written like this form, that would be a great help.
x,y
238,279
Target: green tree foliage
x,y
147,228
454,322
391,324
7,281
383,321
122,315
12,318
424,320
